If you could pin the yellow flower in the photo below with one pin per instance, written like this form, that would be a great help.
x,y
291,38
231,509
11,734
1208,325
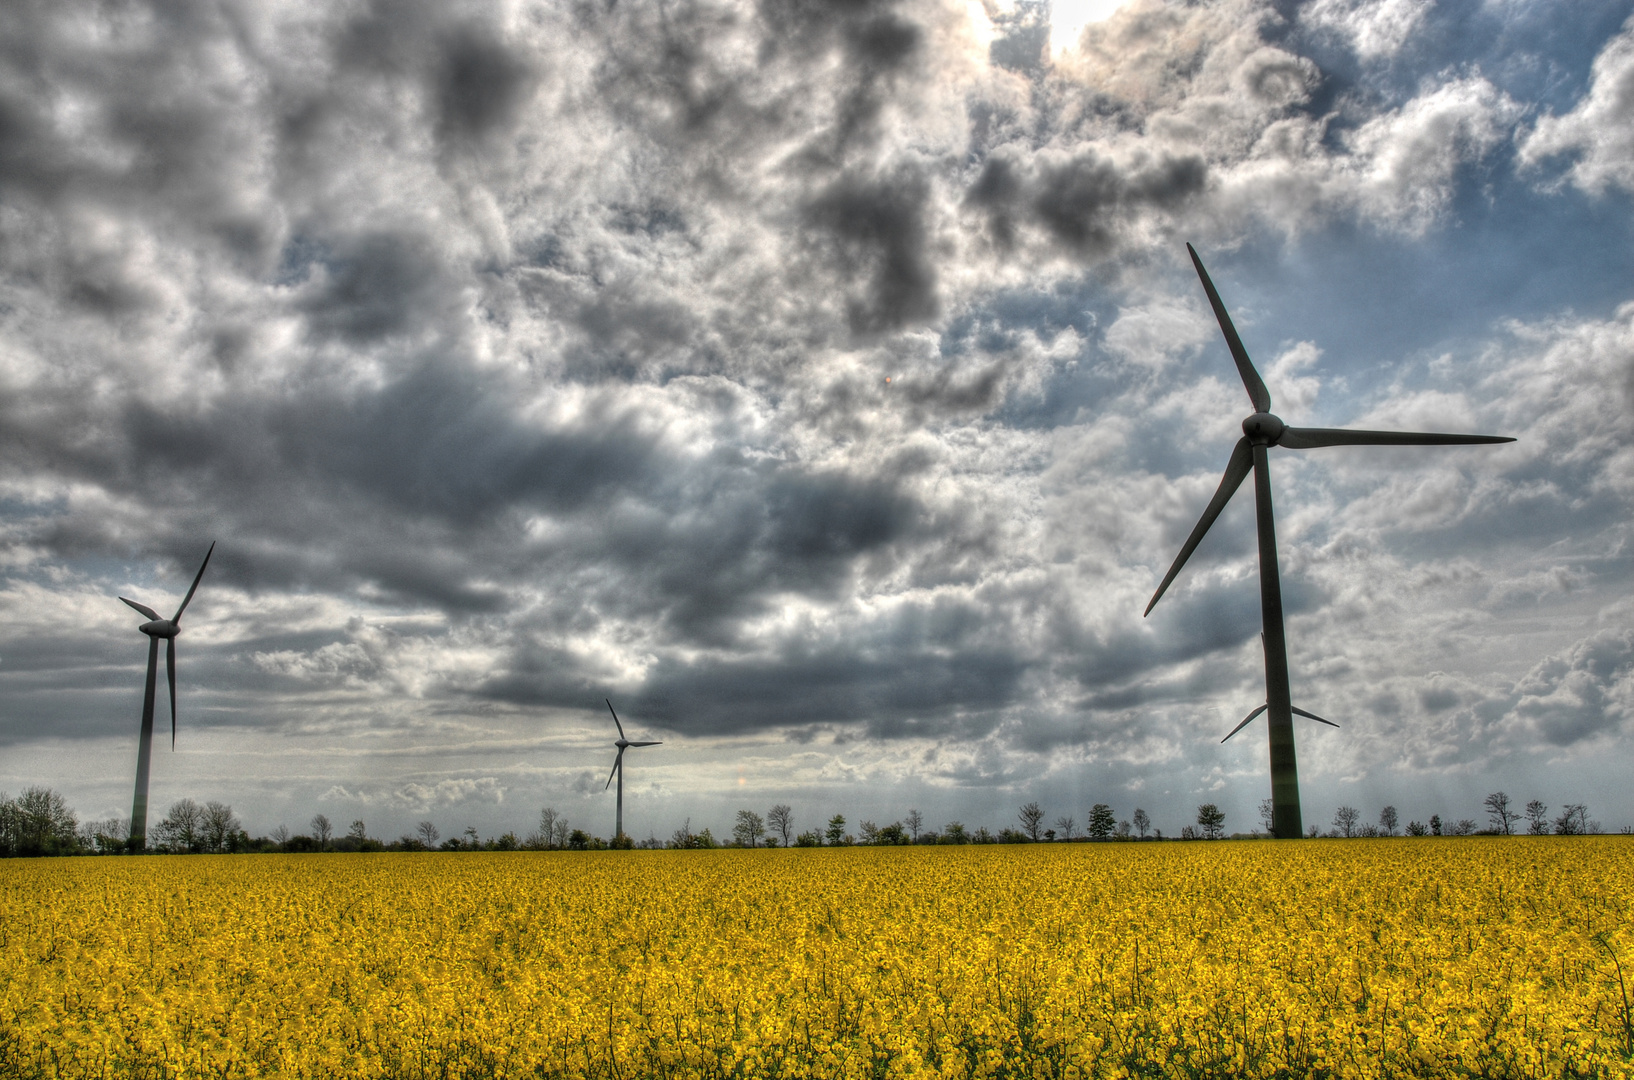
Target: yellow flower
x,y
1364,958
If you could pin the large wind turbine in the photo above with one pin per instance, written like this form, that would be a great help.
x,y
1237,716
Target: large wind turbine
x,y
1261,431
618,769
155,629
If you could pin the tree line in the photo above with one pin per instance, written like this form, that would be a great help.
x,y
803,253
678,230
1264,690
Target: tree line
x,y
777,828
1505,817
40,822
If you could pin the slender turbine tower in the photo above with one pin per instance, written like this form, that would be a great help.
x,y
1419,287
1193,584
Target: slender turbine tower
x,y
155,629
618,769
1261,431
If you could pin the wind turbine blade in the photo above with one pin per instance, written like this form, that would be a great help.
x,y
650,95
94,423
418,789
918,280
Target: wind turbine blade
x,y
1246,719
1297,438
143,608
1241,463
647,744
170,669
1312,716
615,720
610,775
188,599
1257,393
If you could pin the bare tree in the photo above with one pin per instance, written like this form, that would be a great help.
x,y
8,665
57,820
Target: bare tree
x,y
358,831
1498,812
1537,818
749,829
428,834
545,835
869,832
182,828
220,827
280,836
1267,818
1388,821
1032,818
562,832
1345,819
1465,827
914,821
321,830
1573,821
1067,827
1143,821
781,818
107,836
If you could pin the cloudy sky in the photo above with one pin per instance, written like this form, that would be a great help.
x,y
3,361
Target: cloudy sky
x,y
825,383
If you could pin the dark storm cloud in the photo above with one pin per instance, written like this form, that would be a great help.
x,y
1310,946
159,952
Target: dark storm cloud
x,y
374,286
877,44
475,84
903,694
760,533
681,77
1194,626
480,87
1086,201
433,442
874,230
624,326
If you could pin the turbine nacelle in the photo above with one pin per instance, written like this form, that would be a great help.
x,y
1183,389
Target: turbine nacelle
x,y
160,628
1264,429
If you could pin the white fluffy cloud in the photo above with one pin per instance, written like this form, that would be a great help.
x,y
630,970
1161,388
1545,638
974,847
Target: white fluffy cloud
x,y
1375,29
1599,131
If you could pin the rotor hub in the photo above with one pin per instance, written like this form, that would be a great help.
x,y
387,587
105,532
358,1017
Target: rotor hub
x,y
160,628
1264,429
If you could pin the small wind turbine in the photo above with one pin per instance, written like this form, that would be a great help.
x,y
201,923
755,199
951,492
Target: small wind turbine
x,y
618,769
155,629
1261,431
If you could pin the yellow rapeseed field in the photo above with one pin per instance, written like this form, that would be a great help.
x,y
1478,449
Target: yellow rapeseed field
x,y
1484,957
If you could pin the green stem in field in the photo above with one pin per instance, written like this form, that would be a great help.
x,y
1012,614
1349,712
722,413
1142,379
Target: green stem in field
x,y
1601,939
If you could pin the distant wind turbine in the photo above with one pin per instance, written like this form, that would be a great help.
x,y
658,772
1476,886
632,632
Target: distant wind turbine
x,y
618,769
155,629
1261,431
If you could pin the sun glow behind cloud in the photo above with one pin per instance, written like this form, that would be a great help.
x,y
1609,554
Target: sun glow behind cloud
x,y
1069,17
